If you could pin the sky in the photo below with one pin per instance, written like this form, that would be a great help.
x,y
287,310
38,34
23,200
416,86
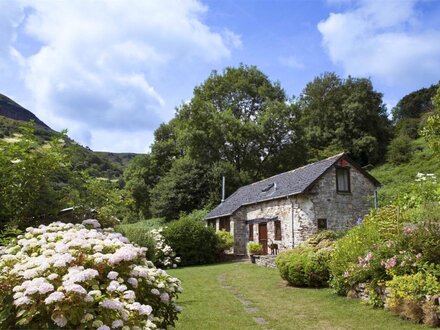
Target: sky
x,y
112,71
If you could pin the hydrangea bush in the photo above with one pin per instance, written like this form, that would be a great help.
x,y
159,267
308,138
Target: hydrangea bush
x,y
80,276
164,255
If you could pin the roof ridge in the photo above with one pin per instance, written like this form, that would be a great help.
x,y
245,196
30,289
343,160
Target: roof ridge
x,y
295,169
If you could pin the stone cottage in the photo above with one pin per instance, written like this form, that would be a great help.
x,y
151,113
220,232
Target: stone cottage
x,y
287,208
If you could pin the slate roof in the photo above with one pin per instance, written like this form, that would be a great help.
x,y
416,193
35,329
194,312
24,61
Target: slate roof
x,y
289,183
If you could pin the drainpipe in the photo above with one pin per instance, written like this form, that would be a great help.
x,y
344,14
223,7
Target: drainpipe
x,y
223,189
375,198
293,222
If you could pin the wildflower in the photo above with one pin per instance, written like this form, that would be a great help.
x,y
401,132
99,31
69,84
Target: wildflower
x,y
155,292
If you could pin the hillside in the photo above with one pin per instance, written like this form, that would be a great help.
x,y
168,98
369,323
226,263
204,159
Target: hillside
x,y
395,179
12,110
97,164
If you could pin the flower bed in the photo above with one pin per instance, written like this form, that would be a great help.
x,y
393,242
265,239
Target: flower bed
x,y
79,276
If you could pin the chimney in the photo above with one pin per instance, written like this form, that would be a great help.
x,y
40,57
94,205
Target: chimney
x,y
223,189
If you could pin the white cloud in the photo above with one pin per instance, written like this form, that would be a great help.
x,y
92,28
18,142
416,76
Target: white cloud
x,y
383,39
291,62
101,64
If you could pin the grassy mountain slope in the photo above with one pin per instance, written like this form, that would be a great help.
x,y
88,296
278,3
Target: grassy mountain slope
x,y
395,179
12,110
97,164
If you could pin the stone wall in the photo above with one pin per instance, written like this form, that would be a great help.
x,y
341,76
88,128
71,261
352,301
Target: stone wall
x,y
266,261
342,209
239,231
304,220
281,208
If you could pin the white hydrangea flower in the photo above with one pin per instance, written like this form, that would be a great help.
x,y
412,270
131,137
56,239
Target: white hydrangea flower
x,y
60,320
53,297
117,324
103,327
133,282
112,275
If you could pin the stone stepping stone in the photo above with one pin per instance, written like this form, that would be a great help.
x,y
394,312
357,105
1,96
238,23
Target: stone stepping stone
x,y
260,320
251,310
239,295
246,302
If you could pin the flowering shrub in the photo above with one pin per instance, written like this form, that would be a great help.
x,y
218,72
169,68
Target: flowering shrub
x,y
410,297
79,276
164,256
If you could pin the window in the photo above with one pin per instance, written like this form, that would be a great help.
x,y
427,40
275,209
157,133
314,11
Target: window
x,y
251,232
225,224
322,224
342,179
212,223
277,230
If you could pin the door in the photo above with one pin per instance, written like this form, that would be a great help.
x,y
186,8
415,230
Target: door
x,y
262,236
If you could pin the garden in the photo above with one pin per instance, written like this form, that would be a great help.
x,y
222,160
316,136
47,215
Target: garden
x,y
390,260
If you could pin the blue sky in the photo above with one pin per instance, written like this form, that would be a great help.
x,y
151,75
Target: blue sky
x,y
112,71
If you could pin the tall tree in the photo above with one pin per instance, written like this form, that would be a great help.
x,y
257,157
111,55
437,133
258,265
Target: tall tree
x,y
415,104
241,117
183,189
344,114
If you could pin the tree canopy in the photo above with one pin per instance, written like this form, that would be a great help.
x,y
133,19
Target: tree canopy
x,y
344,115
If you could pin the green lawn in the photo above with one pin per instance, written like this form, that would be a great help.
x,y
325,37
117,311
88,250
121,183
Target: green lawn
x,y
216,296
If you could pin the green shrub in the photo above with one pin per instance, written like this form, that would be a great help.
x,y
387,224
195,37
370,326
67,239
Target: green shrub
x,y
408,296
255,248
224,240
303,266
140,234
400,150
324,238
357,256
192,241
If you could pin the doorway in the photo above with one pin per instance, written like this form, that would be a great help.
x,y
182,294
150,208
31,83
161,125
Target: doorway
x,y
262,236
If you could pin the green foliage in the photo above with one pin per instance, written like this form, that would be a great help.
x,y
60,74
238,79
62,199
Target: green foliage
x,y
224,240
304,266
415,104
344,114
431,131
399,150
140,234
241,117
254,248
307,265
192,241
408,297
30,185
396,179
182,189
9,235
346,267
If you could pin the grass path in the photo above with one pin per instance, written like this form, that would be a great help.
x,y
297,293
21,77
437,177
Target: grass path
x,y
245,296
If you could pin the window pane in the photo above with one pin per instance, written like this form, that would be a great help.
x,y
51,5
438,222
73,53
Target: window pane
x,y
343,179
278,230
322,224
